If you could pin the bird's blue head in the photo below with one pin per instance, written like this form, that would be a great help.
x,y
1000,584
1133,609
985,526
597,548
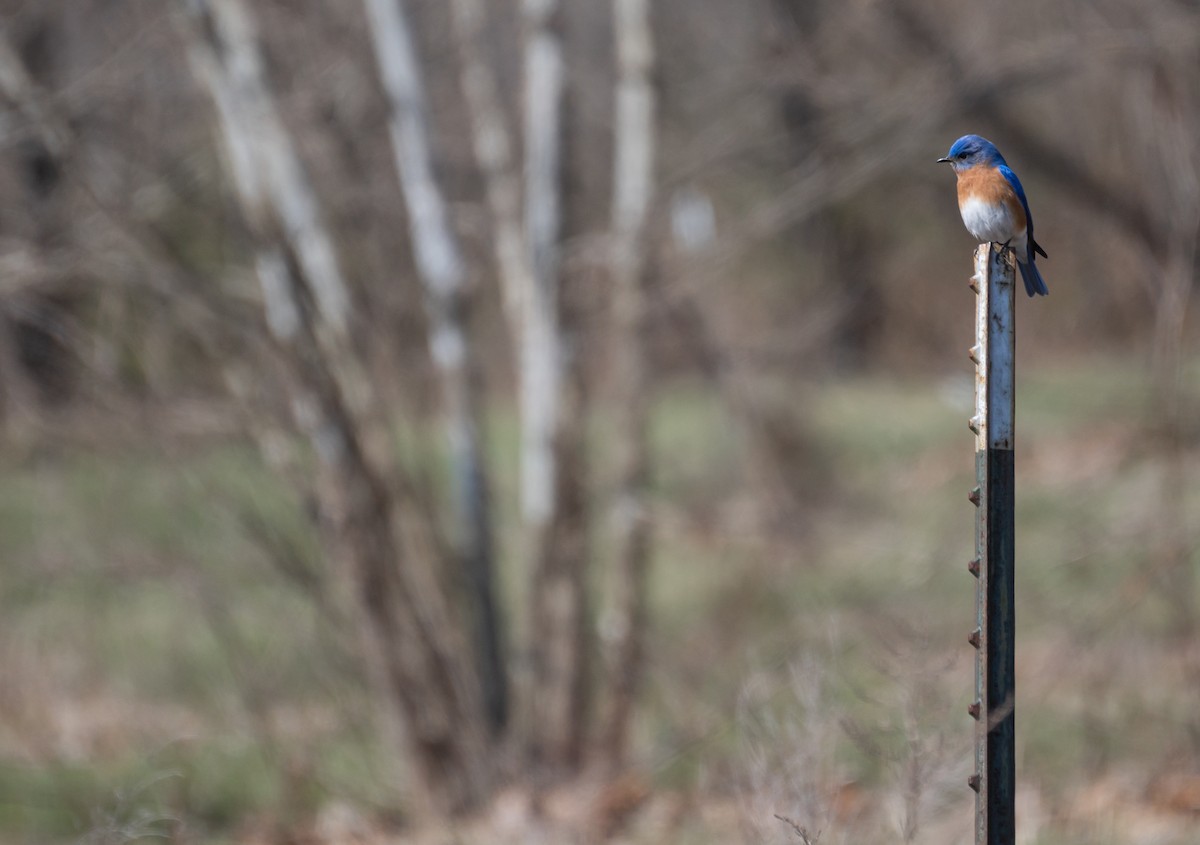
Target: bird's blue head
x,y
971,150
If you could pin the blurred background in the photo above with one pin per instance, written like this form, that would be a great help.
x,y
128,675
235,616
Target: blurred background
x,y
545,421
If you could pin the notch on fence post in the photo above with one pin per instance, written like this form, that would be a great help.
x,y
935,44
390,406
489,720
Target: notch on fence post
x,y
994,779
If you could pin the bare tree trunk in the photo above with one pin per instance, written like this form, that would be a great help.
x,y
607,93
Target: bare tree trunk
x,y
409,621
441,270
633,191
540,352
559,651
530,264
553,397
494,153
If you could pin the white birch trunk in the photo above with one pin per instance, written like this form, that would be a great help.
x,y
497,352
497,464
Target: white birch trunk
x,y
633,191
553,405
440,268
268,179
242,159
412,631
439,262
265,148
541,363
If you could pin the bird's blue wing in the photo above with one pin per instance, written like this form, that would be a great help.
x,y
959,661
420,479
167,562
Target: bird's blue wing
x,y
1029,273
1012,179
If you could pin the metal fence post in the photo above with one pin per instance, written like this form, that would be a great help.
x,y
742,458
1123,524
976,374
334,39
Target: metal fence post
x,y
994,780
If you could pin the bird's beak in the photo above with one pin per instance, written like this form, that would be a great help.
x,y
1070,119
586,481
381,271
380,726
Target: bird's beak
x,y
943,161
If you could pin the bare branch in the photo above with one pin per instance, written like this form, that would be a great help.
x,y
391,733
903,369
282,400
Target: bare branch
x,y
635,132
800,831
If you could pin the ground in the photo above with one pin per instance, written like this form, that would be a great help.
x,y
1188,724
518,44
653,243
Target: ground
x,y
165,673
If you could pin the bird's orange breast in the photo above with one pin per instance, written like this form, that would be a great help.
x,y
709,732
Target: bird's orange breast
x,y
987,184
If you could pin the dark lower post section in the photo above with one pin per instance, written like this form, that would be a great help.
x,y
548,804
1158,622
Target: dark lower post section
x,y
1001,653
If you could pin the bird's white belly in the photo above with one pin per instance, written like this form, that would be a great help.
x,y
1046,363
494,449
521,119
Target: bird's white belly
x,y
988,221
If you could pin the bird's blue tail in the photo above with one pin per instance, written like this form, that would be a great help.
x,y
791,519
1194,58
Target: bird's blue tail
x,y
1033,279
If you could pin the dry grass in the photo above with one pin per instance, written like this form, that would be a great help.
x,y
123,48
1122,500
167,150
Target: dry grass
x,y
808,683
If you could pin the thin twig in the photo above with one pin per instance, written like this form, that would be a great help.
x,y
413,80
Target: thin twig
x,y
802,832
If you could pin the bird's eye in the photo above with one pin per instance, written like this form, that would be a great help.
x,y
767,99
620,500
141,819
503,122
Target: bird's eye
x,y
961,156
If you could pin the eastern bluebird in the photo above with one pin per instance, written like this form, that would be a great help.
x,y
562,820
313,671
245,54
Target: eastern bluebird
x,y
993,205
